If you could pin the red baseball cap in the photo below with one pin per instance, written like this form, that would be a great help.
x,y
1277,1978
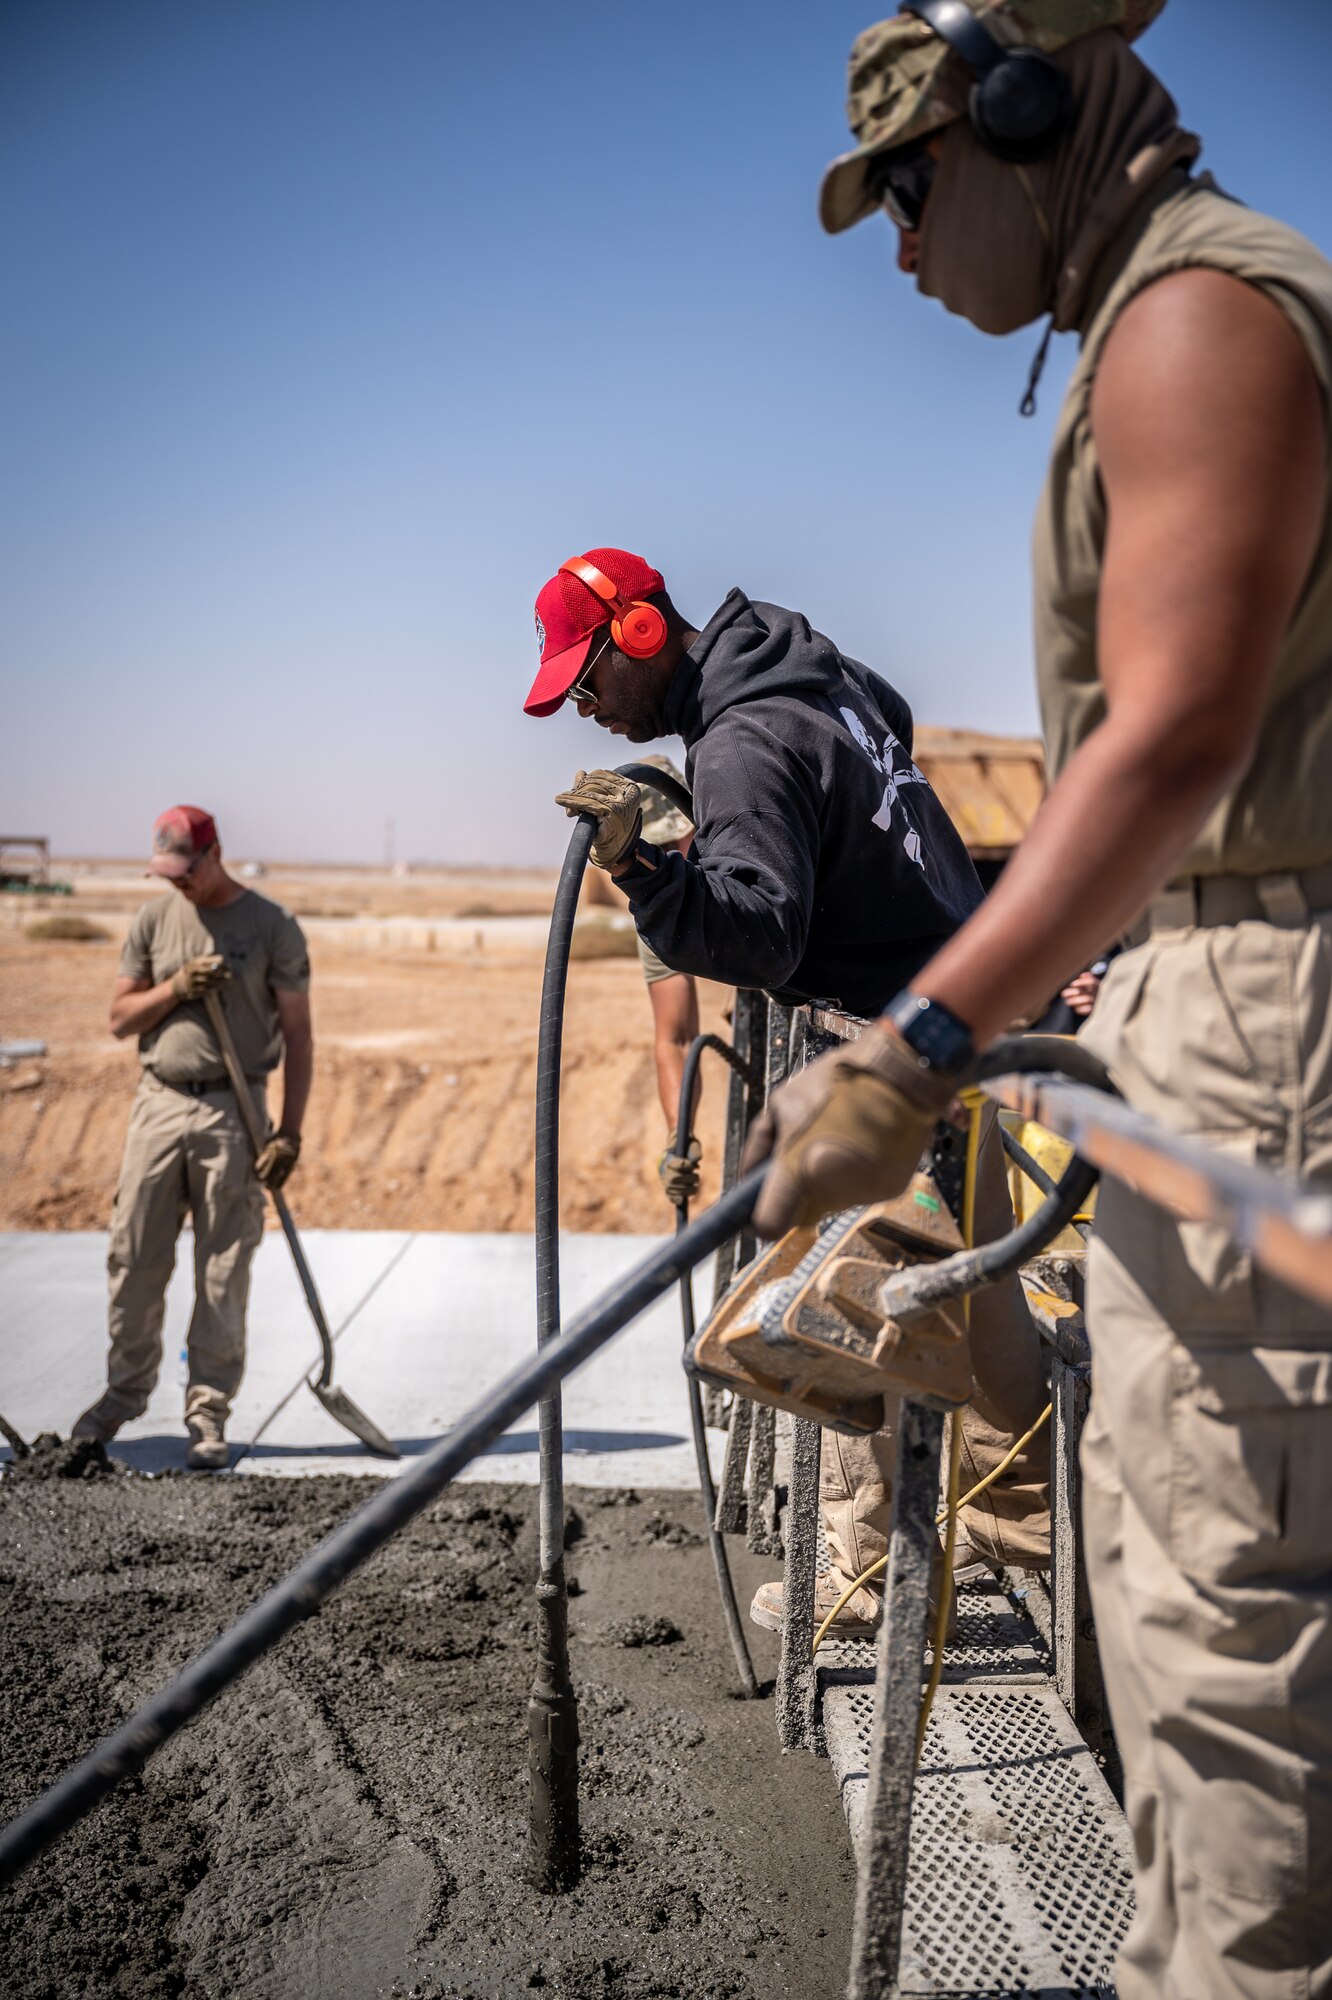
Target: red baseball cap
x,y
569,615
180,835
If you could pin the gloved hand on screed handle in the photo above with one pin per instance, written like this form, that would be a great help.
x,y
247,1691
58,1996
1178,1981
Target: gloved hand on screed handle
x,y
274,1164
849,1129
616,805
199,975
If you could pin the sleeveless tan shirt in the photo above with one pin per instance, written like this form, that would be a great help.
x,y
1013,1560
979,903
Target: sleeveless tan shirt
x,y
1279,816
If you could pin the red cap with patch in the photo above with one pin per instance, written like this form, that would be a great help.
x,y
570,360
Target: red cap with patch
x,y
180,836
569,615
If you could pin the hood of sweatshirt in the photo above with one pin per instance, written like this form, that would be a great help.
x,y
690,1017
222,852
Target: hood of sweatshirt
x,y
751,651
824,866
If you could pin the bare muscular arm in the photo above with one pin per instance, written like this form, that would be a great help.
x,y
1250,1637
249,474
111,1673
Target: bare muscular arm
x,y
674,1026
137,1005
297,1056
1210,432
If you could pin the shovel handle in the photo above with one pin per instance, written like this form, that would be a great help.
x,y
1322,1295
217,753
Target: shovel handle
x,y
236,1075
250,1119
304,1273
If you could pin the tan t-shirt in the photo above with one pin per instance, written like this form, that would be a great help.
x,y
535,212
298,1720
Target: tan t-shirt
x,y
1278,816
265,951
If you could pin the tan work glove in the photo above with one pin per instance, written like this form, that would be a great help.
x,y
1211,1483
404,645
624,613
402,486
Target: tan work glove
x,y
849,1129
679,1172
273,1166
616,805
198,975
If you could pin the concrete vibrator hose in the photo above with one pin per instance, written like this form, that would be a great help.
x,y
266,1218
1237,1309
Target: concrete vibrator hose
x,y
552,1709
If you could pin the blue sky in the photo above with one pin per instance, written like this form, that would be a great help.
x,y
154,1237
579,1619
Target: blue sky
x,y
332,326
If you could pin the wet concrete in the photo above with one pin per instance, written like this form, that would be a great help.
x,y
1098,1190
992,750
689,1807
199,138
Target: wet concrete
x,y
350,1819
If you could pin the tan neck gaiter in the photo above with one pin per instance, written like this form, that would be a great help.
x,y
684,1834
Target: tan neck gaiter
x,y
1003,244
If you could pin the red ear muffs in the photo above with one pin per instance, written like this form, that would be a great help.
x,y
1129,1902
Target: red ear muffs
x,y
638,628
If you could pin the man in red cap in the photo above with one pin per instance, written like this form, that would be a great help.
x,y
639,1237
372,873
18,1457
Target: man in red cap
x,y
823,868
186,1149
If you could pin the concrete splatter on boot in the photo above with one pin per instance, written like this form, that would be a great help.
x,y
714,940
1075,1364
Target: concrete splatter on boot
x,y
101,1420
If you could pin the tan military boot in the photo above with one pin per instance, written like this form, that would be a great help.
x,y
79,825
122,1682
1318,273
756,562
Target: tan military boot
x,y
858,1619
208,1449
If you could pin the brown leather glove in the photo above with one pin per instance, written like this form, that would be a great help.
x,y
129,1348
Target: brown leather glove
x,y
198,975
680,1172
616,805
849,1129
273,1166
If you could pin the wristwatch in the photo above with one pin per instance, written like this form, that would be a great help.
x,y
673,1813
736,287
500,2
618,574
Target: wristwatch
x,y
941,1042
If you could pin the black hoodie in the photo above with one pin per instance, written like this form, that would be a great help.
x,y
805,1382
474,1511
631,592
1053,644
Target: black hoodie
x,y
824,867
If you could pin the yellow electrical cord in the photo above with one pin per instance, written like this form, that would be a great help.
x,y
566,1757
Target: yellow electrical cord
x,y
868,1575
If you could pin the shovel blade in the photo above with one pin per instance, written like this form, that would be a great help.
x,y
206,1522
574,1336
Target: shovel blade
x,y
343,1411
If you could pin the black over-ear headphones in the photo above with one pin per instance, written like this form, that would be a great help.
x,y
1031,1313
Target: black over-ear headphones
x,y
1020,104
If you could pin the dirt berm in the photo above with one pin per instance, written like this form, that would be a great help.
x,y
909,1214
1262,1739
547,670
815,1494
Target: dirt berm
x,y
349,1821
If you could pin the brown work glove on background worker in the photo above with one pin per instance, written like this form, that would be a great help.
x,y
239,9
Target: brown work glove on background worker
x,y
680,1172
199,975
615,803
849,1129
274,1164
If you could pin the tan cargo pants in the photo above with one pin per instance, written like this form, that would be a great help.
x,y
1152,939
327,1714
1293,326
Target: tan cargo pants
x,y
183,1155
1011,1520
1207,1465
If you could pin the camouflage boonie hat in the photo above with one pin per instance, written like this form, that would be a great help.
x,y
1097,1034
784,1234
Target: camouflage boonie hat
x,y
906,81
662,821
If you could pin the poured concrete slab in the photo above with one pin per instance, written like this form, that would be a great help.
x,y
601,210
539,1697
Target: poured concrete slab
x,y
423,1325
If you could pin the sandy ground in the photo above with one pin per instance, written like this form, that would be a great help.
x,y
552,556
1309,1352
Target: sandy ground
x,y
350,1819
423,1105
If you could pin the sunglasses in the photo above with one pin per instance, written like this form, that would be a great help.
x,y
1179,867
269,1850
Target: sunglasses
x,y
582,689
901,183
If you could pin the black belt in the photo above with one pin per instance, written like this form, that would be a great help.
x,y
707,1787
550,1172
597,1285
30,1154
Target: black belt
x,y
209,1088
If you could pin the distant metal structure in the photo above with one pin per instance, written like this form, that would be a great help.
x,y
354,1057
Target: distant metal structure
x,y
990,787
25,861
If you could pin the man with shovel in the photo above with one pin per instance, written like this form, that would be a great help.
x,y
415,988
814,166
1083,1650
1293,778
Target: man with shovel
x,y
187,1150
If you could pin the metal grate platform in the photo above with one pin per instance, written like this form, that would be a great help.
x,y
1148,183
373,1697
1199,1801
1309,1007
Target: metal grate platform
x,y
1019,1885
992,1642
1019,1882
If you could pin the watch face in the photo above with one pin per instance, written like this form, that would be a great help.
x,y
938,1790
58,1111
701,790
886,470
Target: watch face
x,y
932,1031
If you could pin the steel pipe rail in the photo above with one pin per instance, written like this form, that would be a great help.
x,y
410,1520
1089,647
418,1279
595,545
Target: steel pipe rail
x,y
302,1591
1286,1226
735,1630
